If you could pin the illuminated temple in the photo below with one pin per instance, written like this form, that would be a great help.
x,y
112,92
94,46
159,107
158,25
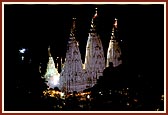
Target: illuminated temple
x,y
71,77
76,76
94,56
51,76
114,51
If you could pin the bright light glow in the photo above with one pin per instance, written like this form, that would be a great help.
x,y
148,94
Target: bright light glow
x,y
22,57
22,50
53,81
61,94
88,96
56,80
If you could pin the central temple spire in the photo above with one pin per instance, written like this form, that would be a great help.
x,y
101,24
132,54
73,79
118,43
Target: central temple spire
x,y
94,57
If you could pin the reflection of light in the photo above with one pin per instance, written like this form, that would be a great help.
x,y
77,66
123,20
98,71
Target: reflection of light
x,y
22,50
88,96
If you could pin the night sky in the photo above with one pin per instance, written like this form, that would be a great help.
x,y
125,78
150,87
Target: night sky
x,y
35,27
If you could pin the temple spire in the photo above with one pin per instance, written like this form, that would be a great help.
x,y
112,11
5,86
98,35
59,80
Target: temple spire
x,y
51,76
114,51
94,56
71,77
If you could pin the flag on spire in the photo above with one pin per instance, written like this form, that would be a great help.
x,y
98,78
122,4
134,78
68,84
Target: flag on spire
x,y
95,14
93,19
115,23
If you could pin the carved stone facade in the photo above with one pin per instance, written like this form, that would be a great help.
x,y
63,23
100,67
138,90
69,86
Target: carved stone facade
x,y
94,57
72,72
114,51
76,76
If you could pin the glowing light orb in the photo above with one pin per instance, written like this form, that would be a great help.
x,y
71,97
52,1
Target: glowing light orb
x,y
22,50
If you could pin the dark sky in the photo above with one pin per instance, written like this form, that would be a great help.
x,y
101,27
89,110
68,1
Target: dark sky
x,y
141,27
35,27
